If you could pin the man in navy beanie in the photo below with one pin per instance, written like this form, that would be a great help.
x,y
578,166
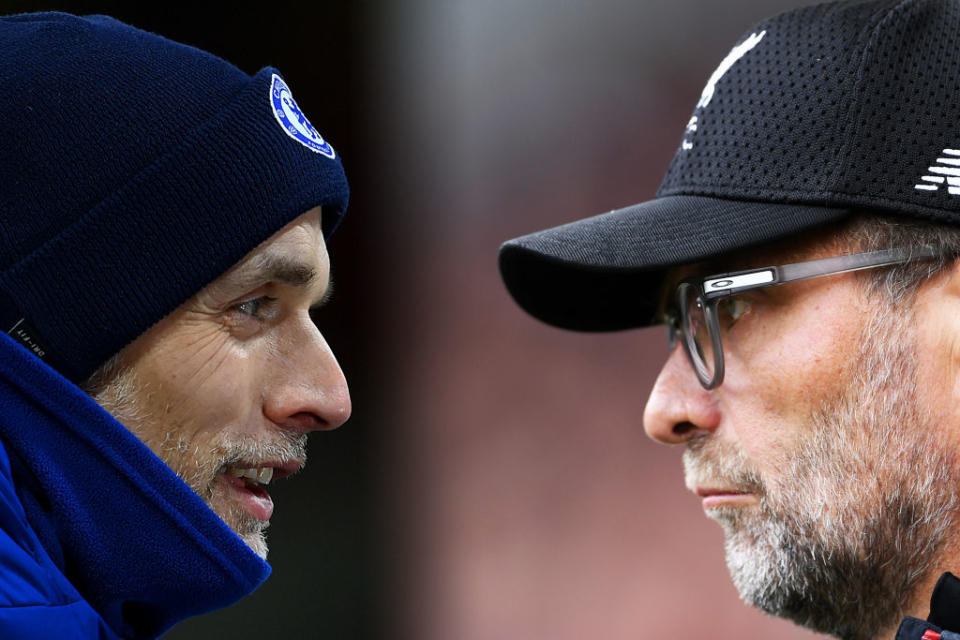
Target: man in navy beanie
x,y
802,252
163,228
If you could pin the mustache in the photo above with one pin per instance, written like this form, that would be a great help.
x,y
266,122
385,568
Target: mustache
x,y
708,462
280,447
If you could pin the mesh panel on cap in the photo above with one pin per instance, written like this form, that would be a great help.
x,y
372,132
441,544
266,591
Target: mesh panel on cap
x,y
775,125
909,101
843,104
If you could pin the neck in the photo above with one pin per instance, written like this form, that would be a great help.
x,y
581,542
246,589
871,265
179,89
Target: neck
x,y
941,611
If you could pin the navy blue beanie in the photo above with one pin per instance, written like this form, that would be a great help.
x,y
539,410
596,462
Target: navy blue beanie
x,y
135,170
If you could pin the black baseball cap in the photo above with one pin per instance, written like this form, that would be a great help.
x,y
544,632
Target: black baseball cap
x,y
815,113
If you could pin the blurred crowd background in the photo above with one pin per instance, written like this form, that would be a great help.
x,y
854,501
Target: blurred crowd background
x,y
494,482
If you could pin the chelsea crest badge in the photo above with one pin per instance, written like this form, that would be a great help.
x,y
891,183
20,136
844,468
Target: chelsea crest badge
x,y
294,123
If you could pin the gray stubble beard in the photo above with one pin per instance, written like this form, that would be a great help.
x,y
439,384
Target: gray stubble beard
x,y
122,394
844,534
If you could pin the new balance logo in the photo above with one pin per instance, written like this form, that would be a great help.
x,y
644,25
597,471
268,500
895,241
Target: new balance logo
x,y
946,171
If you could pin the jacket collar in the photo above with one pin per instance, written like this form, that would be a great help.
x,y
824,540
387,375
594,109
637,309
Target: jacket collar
x,y
138,544
943,623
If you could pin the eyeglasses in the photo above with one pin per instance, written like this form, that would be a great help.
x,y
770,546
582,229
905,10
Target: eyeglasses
x,y
695,315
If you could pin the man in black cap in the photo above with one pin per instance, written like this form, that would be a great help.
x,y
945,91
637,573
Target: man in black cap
x,y
802,251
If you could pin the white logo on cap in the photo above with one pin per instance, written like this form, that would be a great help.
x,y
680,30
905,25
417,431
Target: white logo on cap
x,y
735,54
947,170
292,120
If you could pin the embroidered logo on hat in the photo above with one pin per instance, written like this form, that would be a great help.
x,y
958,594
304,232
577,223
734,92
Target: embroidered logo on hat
x,y
735,54
946,170
294,123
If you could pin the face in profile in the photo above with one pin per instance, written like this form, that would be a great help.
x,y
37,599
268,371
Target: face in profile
x,y
822,453
226,388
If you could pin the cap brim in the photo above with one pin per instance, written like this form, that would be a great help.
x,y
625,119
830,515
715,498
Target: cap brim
x,y
605,273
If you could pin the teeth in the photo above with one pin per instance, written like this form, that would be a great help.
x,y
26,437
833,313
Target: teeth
x,y
265,475
260,476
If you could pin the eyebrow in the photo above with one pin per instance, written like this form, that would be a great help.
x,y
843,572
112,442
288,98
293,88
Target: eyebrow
x,y
272,267
283,269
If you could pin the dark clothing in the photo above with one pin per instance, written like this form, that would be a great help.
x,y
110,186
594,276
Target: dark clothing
x,y
943,623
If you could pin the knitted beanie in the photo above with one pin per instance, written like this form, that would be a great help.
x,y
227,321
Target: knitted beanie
x,y
135,170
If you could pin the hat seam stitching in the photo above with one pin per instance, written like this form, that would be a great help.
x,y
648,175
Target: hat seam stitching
x,y
855,106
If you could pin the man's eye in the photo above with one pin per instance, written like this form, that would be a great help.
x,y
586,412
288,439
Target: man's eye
x,y
255,307
732,309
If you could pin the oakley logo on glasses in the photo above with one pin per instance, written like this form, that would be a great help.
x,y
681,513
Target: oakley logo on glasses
x,y
743,280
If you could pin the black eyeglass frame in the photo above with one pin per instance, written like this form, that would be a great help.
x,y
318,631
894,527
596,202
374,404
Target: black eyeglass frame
x,y
713,288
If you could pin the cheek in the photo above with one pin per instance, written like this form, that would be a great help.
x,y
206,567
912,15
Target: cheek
x,y
794,363
938,382
201,378
813,355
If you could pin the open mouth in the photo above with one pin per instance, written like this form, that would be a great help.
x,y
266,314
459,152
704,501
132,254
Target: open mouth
x,y
252,475
248,484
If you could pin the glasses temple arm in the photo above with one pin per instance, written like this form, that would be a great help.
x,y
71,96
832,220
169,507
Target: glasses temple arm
x,y
855,262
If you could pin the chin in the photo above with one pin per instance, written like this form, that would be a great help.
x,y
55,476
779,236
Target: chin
x,y
253,532
257,542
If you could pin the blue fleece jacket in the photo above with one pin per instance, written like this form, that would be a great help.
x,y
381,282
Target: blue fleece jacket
x,y
98,537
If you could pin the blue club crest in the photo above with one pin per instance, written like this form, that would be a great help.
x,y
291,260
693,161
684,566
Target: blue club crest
x,y
294,123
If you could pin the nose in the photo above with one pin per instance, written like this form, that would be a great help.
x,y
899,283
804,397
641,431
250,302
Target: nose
x,y
306,390
679,408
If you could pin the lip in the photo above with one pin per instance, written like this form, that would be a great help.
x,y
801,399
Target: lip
x,y
254,499
280,469
724,497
